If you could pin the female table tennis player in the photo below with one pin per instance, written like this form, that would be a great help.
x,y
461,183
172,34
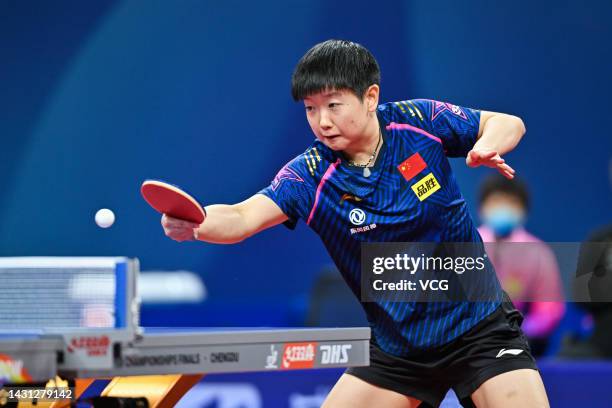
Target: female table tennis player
x,y
385,166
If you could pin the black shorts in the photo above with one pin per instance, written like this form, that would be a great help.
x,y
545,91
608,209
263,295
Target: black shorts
x,y
494,346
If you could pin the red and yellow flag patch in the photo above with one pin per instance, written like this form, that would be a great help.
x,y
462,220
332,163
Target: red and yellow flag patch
x,y
412,166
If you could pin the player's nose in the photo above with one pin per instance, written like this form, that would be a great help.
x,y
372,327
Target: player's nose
x,y
324,122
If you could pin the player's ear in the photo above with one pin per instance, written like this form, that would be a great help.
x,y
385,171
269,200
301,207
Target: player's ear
x,y
371,97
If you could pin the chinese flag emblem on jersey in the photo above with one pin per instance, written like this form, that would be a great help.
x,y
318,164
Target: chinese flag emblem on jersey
x,y
412,166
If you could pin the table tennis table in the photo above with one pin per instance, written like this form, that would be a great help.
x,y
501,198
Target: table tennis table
x,y
161,364
45,331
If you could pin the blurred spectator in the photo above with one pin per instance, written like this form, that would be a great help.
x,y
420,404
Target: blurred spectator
x,y
528,272
595,259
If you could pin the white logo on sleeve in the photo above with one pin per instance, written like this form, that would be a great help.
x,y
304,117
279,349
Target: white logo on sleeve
x,y
357,216
514,352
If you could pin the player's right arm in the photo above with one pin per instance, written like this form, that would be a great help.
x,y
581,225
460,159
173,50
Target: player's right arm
x,y
289,197
228,224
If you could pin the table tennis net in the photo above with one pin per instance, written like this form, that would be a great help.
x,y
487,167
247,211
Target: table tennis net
x,y
42,293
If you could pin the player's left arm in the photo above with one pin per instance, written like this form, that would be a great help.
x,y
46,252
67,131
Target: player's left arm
x,y
498,134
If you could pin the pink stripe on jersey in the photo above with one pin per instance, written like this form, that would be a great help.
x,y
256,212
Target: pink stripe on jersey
x,y
404,126
326,176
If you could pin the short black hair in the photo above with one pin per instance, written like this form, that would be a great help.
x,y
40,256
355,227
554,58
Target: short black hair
x,y
335,64
499,184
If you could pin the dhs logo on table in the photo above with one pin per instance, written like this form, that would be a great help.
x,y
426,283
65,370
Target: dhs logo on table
x,y
335,353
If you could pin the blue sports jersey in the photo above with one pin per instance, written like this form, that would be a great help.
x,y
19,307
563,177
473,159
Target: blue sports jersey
x,y
320,188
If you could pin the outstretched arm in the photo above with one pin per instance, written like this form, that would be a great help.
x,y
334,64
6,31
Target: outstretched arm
x,y
228,224
498,134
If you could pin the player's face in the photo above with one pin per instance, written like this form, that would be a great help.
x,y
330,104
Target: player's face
x,y
338,118
499,200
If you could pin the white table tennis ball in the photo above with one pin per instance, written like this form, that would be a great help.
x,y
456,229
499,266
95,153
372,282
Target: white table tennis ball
x,y
105,218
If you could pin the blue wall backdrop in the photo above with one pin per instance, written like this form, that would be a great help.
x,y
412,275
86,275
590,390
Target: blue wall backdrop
x,y
98,96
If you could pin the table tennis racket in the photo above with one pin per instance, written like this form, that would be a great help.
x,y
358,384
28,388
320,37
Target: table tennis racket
x,y
172,201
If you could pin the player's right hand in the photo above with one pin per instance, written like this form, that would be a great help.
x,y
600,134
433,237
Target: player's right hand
x,y
179,230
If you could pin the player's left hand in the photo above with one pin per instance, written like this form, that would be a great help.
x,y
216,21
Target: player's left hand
x,y
491,159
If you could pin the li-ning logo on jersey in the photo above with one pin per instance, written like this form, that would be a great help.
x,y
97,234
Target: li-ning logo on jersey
x,y
357,216
285,174
512,352
349,197
439,107
426,187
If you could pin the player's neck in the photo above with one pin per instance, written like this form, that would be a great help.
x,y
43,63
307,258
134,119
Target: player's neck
x,y
361,150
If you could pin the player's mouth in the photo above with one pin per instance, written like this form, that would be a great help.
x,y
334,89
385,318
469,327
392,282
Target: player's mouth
x,y
332,137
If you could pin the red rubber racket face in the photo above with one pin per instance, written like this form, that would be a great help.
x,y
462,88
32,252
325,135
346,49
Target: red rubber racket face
x,y
172,201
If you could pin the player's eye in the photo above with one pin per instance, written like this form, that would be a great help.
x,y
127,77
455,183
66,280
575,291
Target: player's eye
x,y
309,108
333,105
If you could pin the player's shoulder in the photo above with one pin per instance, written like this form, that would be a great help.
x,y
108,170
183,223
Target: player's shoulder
x,y
412,111
313,162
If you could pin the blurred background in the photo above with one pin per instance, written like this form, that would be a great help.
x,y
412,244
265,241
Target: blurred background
x,y
98,96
